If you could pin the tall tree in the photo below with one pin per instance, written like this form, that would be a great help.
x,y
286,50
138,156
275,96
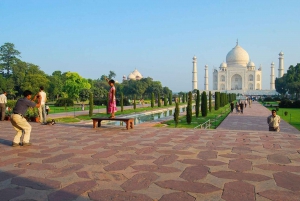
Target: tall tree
x,y
209,101
75,83
189,109
197,103
203,104
8,57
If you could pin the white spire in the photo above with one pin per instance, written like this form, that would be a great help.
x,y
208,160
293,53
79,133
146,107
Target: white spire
x,y
194,81
281,64
272,77
206,78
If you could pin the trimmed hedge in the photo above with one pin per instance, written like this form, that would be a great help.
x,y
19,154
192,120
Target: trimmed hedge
x,y
64,102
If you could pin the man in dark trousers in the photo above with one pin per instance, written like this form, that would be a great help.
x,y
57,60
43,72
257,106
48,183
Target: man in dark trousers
x,y
242,106
18,120
231,106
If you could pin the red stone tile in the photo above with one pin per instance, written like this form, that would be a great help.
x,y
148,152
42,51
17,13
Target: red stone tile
x,y
186,186
237,191
10,174
240,165
180,196
66,170
115,195
280,195
207,155
36,183
58,158
83,174
53,149
166,159
176,152
119,165
278,158
11,161
135,157
202,162
194,173
79,151
155,168
146,150
271,146
163,140
34,155
241,150
240,176
72,191
276,167
139,181
105,154
10,193
88,161
35,166
95,146
287,180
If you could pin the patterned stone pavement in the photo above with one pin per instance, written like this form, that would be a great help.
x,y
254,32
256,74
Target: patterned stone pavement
x,y
77,162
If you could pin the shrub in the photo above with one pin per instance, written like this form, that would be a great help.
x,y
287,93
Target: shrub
x,y
277,108
176,114
64,102
203,104
189,109
91,103
268,99
197,103
285,113
296,104
285,103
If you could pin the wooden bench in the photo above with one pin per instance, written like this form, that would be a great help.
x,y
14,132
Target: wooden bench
x,y
129,121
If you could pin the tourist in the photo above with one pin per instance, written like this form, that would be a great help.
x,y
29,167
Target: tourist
x,y
47,109
237,108
18,120
3,101
42,109
273,121
231,106
246,103
112,106
242,107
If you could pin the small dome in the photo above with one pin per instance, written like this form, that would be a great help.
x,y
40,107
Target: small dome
x,y
273,63
281,53
223,65
131,76
194,58
250,64
237,56
136,73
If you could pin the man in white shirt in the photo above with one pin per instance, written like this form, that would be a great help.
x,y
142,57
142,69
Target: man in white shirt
x,y
3,101
42,109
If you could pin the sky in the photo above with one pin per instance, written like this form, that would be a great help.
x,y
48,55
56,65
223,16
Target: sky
x,y
159,38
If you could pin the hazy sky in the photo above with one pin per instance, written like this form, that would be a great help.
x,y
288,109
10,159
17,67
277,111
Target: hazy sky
x,y
157,37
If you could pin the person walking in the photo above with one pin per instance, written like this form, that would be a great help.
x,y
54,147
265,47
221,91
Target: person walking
x,y
18,120
112,106
231,106
242,107
42,109
273,121
3,101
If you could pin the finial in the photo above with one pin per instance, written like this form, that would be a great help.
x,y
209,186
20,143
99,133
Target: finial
x,y
237,41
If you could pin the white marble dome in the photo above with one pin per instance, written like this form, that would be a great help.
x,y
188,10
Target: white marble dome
x,y
136,73
237,56
223,65
131,76
251,64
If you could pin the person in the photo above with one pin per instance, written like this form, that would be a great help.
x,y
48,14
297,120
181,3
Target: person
x,y
273,121
3,101
47,109
250,101
242,107
18,120
112,106
231,106
246,103
237,107
42,109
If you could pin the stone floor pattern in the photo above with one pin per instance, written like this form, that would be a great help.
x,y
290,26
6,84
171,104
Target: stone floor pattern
x,y
77,162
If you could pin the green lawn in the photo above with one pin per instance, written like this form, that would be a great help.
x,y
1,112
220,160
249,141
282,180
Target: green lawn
x,y
54,109
292,117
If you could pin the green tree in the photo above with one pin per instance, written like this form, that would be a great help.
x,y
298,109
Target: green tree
x,y
209,101
165,100
152,100
203,104
197,103
122,102
74,83
134,102
91,104
217,100
176,114
189,109
8,57
170,98
158,100
84,94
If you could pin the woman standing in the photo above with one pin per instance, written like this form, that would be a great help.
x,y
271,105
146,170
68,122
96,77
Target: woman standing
x,y
112,106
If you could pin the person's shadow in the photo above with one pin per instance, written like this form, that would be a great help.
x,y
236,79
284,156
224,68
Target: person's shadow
x,y
5,142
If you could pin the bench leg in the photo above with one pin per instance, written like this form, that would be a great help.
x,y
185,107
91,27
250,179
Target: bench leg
x,y
94,123
99,123
131,124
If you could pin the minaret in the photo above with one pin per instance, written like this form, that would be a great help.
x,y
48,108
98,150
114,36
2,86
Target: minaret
x,y
272,79
206,78
194,81
281,65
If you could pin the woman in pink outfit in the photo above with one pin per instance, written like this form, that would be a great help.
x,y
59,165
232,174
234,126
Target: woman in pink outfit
x,y
112,106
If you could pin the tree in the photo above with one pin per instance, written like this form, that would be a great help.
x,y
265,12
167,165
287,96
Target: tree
x,y
170,98
110,76
165,100
8,57
91,104
134,102
293,80
122,102
189,109
209,101
203,104
74,83
152,100
217,100
57,80
158,100
197,103
176,114
84,94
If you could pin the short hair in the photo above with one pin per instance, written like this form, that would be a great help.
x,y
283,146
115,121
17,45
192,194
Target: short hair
x,y
273,110
26,93
41,88
112,81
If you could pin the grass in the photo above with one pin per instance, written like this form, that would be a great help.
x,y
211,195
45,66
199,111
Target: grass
x,y
215,116
54,109
292,117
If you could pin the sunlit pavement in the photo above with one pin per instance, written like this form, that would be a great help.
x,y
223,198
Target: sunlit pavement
x,y
239,161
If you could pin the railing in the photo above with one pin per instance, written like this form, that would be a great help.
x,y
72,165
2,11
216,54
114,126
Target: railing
x,y
205,125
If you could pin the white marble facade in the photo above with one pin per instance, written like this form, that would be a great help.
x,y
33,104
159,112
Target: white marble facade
x,y
237,73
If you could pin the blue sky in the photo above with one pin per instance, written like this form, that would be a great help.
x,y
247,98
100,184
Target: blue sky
x,y
157,37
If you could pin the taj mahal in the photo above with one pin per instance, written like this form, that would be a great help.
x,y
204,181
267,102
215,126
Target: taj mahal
x,y
239,74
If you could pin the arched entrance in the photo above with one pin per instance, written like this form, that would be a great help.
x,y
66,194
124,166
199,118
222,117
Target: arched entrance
x,y
236,82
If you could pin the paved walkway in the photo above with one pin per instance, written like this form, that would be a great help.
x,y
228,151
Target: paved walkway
x,y
77,162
